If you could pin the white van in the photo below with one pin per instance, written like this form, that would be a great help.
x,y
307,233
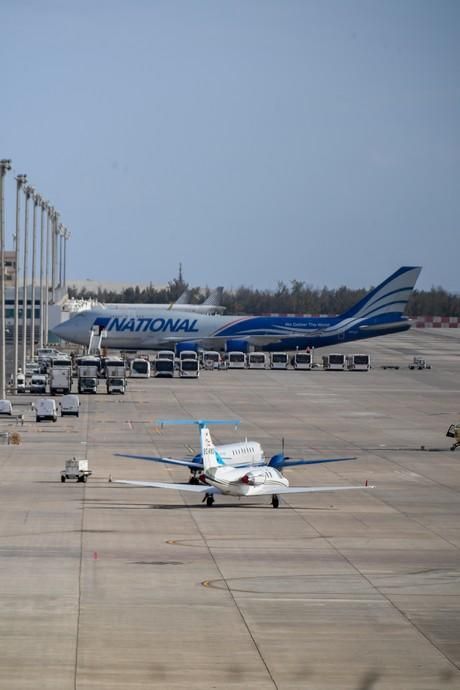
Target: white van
x,y
45,408
6,407
20,383
38,383
70,404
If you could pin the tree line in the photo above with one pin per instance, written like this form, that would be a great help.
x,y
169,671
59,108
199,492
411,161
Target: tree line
x,y
295,298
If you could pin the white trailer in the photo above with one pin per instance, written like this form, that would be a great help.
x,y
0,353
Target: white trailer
x,y
60,379
302,361
279,360
75,469
257,360
334,362
358,362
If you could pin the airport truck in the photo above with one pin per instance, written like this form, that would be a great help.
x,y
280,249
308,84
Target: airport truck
x,y
257,360
116,384
302,361
334,362
279,360
358,362
38,383
211,359
87,371
189,366
75,469
236,360
164,364
60,378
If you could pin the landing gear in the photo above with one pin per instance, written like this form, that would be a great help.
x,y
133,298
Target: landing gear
x,y
209,498
193,480
275,501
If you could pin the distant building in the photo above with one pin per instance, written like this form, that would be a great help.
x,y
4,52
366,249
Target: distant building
x,y
10,268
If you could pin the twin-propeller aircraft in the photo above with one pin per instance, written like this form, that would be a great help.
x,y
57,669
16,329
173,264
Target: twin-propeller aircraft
x,y
234,470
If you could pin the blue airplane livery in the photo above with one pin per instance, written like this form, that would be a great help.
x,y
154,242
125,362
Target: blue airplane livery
x,y
379,312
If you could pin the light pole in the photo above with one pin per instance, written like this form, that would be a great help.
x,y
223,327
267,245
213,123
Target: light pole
x,y
5,165
54,234
66,239
49,221
37,202
28,192
20,181
44,205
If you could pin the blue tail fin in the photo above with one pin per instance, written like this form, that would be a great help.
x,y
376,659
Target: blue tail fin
x,y
390,297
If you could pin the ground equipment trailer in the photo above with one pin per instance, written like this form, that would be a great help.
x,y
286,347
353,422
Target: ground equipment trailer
x,y
334,362
279,360
302,360
76,469
358,362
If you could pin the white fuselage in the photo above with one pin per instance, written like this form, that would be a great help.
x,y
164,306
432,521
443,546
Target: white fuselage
x,y
249,481
244,453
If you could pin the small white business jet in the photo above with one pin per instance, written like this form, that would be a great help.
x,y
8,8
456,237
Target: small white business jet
x,y
220,478
239,454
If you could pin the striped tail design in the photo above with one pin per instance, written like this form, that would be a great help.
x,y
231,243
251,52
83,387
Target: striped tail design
x,y
390,297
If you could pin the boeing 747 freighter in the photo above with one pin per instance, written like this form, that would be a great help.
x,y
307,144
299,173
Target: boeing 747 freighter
x,y
379,312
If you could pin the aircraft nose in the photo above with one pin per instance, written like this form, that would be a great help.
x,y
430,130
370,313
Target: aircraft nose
x,y
63,330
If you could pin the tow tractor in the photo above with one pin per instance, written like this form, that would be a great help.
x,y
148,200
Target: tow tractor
x,y
76,469
419,363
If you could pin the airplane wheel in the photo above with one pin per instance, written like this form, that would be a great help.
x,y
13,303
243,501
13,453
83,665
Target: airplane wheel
x,y
275,501
209,500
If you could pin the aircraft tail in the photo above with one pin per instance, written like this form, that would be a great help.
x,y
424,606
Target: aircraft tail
x,y
211,457
389,299
215,297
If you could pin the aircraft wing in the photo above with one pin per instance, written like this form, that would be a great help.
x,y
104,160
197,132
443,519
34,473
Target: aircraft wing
x,y
308,489
194,488
294,463
168,461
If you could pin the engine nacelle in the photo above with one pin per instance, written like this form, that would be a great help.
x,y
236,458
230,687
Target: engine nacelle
x,y
236,345
190,345
254,478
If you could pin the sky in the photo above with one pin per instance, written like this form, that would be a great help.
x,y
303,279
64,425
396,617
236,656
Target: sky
x,y
254,141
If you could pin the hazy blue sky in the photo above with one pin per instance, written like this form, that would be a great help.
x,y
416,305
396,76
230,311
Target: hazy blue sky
x,y
254,141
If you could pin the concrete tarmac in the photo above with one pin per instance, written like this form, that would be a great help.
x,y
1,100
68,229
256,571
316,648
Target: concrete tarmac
x,y
109,587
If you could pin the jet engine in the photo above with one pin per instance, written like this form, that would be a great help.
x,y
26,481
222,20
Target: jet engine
x,y
235,345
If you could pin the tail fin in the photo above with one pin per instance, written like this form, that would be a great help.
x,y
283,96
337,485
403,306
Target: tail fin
x,y
211,457
390,297
215,297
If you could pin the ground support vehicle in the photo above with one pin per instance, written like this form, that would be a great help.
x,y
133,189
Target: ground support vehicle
x,y
189,367
279,360
236,360
358,362
70,405
76,469
419,363
45,408
38,383
211,359
20,383
164,364
116,384
87,371
139,368
6,408
60,378
454,432
334,362
257,360
302,360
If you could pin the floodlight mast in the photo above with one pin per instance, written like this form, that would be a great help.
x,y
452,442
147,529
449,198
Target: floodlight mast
x,y
5,166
